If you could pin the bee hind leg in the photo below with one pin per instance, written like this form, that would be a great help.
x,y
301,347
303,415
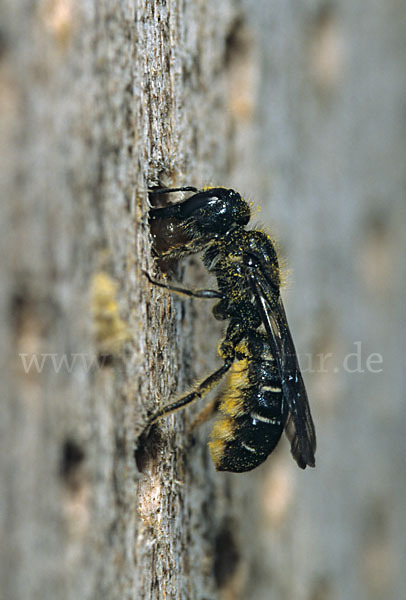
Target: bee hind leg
x,y
199,392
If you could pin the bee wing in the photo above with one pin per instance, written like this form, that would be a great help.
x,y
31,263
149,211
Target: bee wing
x,y
299,426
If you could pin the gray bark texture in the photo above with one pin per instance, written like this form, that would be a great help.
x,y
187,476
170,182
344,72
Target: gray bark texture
x,y
300,107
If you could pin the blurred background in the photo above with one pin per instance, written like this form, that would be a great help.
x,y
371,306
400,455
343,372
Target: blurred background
x,y
300,105
329,170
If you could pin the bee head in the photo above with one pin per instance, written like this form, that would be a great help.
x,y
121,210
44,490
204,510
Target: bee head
x,y
187,226
215,210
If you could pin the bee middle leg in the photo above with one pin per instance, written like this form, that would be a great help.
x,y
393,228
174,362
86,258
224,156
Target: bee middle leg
x,y
185,292
186,188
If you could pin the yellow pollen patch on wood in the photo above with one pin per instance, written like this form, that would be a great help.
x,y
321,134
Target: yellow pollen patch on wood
x,y
110,331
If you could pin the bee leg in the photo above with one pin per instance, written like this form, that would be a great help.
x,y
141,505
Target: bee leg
x,y
187,188
184,292
207,412
201,390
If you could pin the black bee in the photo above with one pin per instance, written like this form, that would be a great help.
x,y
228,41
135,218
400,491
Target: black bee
x,y
265,393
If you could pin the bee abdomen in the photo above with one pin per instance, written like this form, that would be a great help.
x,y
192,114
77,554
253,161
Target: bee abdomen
x,y
241,443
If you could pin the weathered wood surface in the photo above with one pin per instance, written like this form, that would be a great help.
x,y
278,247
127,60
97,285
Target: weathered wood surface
x,y
298,107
